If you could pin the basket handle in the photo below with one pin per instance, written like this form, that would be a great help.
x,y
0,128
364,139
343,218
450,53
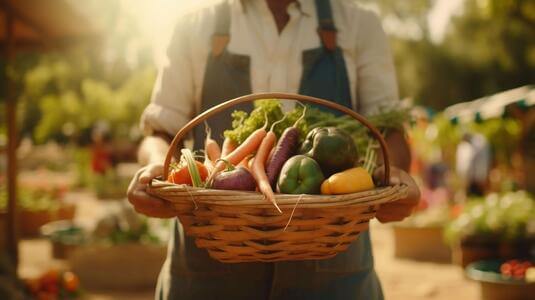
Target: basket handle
x,y
199,119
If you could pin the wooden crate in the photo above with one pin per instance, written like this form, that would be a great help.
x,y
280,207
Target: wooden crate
x,y
472,250
421,243
30,222
120,267
501,291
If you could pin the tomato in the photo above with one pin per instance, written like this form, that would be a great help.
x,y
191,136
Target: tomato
x,y
181,175
50,278
515,268
506,269
70,281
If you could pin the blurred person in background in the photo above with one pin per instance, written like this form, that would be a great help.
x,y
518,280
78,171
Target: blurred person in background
x,y
328,49
473,161
101,153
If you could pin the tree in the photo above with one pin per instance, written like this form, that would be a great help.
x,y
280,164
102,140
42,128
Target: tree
x,y
63,94
489,47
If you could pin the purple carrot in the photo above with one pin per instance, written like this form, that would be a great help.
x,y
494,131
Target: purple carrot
x,y
286,148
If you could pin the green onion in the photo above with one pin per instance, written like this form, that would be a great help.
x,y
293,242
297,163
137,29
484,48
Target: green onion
x,y
370,157
193,171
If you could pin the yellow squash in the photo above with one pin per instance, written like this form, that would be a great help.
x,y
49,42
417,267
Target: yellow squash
x,y
349,181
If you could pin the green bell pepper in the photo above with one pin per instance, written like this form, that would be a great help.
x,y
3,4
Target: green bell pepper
x,y
332,148
300,175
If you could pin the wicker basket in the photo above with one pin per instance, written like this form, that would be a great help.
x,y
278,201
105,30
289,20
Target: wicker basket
x,y
238,226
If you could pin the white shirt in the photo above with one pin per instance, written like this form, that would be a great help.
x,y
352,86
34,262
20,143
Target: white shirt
x,y
473,159
275,58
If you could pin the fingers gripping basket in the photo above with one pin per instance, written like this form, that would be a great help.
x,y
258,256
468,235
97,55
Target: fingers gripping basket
x,y
238,226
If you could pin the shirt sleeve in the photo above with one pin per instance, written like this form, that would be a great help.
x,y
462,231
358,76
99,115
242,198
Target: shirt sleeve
x,y
172,100
376,75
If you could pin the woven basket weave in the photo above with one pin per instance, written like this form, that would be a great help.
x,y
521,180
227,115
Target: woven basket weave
x,y
238,226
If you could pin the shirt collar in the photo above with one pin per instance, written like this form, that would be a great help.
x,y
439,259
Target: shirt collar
x,y
305,6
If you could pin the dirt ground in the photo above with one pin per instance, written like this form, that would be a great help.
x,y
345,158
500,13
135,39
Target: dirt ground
x,y
406,279
401,279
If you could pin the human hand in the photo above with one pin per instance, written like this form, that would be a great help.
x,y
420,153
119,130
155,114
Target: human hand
x,y
402,208
143,202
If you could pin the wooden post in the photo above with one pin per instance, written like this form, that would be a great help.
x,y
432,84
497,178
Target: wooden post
x,y
11,228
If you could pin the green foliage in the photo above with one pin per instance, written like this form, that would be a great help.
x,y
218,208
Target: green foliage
x,y
502,216
489,47
126,226
503,136
32,199
437,141
65,96
106,186
82,166
139,235
385,119
63,93
244,124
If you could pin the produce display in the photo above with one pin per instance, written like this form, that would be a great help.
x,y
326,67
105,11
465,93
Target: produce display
x,y
120,225
506,217
433,216
38,206
34,199
302,151
517,269
54,284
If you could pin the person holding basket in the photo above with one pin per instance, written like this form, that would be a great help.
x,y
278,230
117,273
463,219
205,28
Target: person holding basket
x,y
329,49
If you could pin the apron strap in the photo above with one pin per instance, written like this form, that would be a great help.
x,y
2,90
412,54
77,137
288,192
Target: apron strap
x,y
326,28
221,36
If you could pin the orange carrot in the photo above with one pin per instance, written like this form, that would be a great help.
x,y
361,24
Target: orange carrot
x,y
209,165
228,146
245,162
258,168
212,152
250,163
247,147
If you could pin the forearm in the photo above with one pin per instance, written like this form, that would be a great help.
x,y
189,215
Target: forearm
x,y
399,150
152,150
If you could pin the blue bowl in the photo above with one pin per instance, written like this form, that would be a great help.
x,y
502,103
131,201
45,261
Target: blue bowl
x,y
495,286
489,271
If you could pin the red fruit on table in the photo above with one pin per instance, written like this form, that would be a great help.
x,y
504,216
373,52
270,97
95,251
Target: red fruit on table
x,y
515,268
70,282
506,269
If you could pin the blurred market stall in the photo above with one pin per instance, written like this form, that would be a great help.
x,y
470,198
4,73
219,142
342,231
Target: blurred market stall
x,y
28,26
517,104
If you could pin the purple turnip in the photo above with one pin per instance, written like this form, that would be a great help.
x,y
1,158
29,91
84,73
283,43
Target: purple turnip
x,y
238,179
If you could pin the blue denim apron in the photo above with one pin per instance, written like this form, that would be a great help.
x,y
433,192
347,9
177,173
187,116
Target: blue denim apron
x,y
189,273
